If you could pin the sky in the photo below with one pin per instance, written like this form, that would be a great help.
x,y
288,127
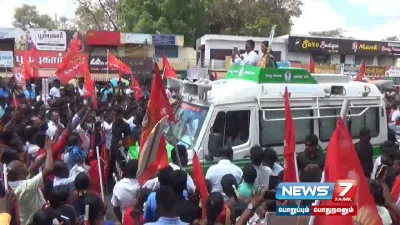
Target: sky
x,y
363,19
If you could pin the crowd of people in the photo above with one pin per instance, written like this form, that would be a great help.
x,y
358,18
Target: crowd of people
x,y
48,144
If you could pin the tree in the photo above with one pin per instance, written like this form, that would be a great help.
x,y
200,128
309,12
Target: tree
x,y
252,17
338,32
391,38
97,15
165,16
28,16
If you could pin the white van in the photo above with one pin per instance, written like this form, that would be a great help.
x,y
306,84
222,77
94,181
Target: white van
x,y
247,109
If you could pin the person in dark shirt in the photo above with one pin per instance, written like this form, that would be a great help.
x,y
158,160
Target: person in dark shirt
x,y
365,151
311,157
120,130
187,211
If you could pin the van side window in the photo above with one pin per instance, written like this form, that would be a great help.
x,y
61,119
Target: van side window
x,y
272,133
230,128
370,120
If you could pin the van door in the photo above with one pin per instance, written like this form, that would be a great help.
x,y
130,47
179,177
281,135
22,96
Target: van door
x,y
233,126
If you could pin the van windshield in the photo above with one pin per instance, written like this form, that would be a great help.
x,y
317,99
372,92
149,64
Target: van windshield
x,y
190,119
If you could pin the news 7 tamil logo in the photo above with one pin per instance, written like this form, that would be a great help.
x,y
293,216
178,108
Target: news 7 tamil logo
x,y
342,191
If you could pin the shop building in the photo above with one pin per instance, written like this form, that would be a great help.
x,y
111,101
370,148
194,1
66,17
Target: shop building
x,y
342,51
137,50
215,50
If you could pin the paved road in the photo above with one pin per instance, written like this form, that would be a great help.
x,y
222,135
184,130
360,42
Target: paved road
x,y
110,211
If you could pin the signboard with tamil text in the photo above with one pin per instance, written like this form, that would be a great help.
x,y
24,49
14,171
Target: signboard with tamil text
x,y
105,38
41,39
6,59
269,75
393,71
375,71
136,38
160,39
50,60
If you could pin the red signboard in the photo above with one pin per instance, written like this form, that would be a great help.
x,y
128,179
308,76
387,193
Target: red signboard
x,y
50,60
103,38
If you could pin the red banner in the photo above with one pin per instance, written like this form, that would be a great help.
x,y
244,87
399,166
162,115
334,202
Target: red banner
x,y
47,60
103,38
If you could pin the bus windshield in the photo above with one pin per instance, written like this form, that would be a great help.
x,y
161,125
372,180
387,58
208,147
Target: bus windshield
x,y
190,119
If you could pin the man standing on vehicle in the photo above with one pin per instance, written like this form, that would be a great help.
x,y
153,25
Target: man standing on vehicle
x,y
311,157
248,58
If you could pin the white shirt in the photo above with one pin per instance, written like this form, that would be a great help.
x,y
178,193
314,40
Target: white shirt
x,y
108,133
55,92
395,115
81,91
85,139
125,191
216,172
152,184
128,91
33,150
189,184
130,122
250,58
52,128
71,179
276,170
29,196
376,165
263,174
384,214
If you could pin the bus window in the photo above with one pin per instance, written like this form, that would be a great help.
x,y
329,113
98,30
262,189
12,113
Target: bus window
x,y
370,120
230,128
272,133
328,125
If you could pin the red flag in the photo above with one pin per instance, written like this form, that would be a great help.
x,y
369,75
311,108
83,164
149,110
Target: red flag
x,y
75,44
116,64
312,65
158,106
361,74
72,65
71,54
35,64
90,89
342,163
105,156
26,66
396,189
215,76
159,163
198,178
289,152
168,70
136,88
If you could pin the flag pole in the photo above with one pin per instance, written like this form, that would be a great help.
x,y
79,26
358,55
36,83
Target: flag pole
x,y
108,52
5,180
100,174
343,113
